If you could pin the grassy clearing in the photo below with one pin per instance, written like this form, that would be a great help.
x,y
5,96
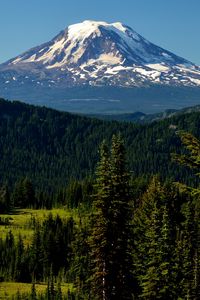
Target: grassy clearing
x,y
21,222
8,289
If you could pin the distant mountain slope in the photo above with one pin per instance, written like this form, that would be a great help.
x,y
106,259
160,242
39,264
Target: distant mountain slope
x,y
50,147
98,54
141,118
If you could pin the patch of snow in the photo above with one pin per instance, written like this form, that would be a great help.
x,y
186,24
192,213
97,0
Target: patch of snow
x,y
158,67
117,69
30,59
109,59
16,60
82,76
154,75
143,71
196,81
49,55
93,75
182,68
56,65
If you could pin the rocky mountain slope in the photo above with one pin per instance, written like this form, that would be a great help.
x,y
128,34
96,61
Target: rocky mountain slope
x,y
98,53
94,54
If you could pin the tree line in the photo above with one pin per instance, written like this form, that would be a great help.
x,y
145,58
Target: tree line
x,y
54,148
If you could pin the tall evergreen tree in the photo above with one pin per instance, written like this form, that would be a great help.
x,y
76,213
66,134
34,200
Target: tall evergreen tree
x,y
120,223
111,226
150,281
154,244
192,144
190,240
191,159
99,239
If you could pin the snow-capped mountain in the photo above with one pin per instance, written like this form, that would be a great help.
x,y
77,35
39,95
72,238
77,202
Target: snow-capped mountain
x,y
96,67
98,54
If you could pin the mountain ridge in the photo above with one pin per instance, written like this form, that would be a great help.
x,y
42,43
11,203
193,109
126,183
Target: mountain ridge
x,y
52,148
142,118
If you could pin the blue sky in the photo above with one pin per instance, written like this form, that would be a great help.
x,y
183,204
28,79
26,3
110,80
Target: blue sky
x,y
171,24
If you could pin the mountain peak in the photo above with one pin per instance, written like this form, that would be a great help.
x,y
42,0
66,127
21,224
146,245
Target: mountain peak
x,y
83,42
101,53
94,25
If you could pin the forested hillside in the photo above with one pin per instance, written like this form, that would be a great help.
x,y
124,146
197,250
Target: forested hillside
x,y
128,244
51,147
121,231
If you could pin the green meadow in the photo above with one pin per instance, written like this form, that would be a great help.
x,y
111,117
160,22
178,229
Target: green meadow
x,y
21,222
9,289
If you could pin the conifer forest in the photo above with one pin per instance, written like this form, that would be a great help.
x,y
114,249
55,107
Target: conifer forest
x,y
98,210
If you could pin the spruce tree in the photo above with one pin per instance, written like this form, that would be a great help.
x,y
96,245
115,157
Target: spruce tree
x,y
190,239
192,144
191,159
111,226
150,281
190,251
100,243
120,261
166,267
154,244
